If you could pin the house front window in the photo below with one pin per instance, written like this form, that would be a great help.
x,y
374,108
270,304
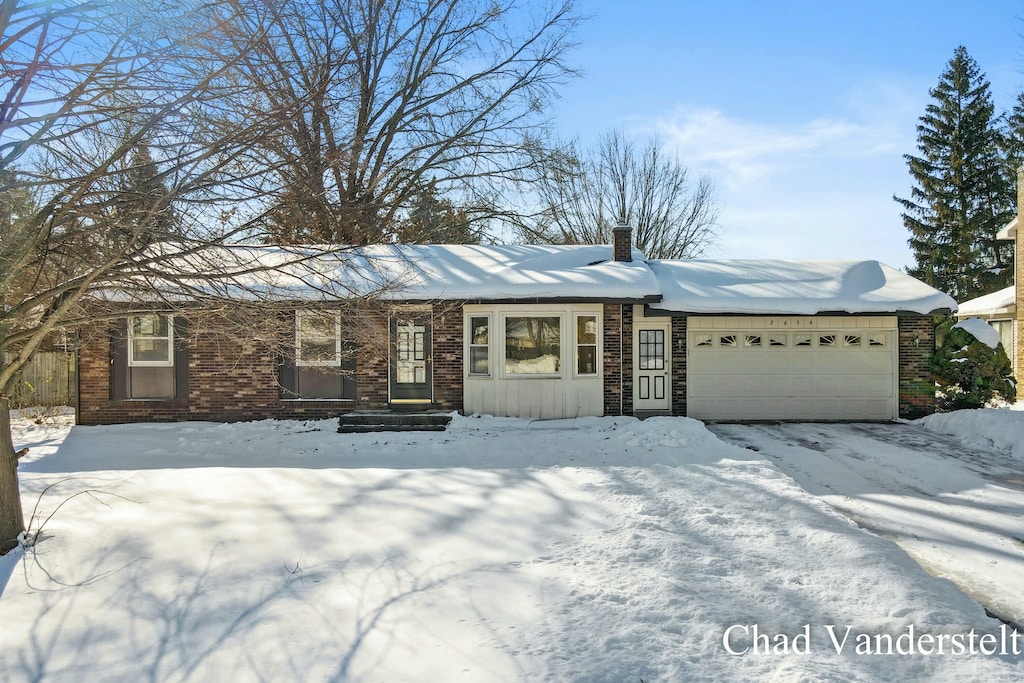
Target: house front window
x,y
317,339
533,345
479,345
150,341
324,367
150,369
1005,330
586,344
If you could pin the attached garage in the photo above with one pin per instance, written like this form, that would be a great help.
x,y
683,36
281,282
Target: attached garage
x,y
792,367
798,340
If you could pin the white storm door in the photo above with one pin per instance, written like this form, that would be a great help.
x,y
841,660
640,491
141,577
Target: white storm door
x,y
651,365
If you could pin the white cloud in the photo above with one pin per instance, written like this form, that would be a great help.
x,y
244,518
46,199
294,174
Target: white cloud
x,y
739,152
817,188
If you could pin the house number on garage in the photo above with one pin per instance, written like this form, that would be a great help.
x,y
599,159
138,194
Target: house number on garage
x,y
796,322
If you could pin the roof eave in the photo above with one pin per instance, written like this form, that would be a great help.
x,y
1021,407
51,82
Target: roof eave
x,y
1008,231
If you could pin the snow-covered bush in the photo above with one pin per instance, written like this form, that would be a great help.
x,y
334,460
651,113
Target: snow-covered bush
x,y
969,374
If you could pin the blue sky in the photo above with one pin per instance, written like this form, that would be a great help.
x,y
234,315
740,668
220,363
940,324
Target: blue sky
x,y
800,112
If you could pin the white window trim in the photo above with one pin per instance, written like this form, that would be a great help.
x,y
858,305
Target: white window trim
x,y
598,344
299,315
169,363
505,374
470,345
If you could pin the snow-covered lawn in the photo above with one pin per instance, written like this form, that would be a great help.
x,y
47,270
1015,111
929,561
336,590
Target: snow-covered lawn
x,y
600,549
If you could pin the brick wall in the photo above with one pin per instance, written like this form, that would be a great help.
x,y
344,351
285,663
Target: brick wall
x,y
447,357
916,348
678,342
231,381
627,359
612,360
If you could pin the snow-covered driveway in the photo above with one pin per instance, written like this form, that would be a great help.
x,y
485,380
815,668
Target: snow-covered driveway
x,y
958,510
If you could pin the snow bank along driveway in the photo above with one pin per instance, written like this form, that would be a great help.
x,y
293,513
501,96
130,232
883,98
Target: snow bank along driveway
x,y
601,549
958,510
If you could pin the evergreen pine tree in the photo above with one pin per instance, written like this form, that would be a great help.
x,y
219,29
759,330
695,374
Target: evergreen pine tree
x,y
144,208
433,219
968,373
961,195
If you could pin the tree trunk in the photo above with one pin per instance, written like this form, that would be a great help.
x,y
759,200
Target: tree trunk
x,y
12,521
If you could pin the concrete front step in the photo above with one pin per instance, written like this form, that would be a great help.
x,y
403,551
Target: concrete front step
x,y
367,428
384,421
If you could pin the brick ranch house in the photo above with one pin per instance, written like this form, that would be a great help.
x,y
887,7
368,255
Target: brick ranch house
x,y
550,332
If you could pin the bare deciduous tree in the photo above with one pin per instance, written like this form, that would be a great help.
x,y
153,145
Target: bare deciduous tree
x,y
397,99
111,125
584,194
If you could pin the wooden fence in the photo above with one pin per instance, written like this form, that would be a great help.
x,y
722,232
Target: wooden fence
x,y
46,380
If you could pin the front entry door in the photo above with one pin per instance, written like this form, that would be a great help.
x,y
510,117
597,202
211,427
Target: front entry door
x,y
651,360
411,366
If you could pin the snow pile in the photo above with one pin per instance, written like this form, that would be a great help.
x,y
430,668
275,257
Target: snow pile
x,y
596,549
792,287
980,330
1000,429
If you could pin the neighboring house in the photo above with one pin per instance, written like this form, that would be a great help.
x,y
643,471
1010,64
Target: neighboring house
x,y
1005,308
546,332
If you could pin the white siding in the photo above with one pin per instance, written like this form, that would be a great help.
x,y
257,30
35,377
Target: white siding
x,y
544,397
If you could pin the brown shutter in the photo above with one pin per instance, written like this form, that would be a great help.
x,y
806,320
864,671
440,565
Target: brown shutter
x,y
119,361
286,375
181,359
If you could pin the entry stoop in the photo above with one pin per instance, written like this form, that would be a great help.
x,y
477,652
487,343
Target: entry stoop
x,y
364,421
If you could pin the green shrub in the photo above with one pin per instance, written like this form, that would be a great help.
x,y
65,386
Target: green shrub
x,y
969,374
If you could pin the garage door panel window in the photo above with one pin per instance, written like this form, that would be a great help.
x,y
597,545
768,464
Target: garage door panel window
x,y
727,340
877,340
802,340
851,340
703,341
752,340
826,340
777,341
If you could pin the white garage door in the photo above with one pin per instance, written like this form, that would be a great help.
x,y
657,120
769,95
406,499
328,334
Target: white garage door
x,y
791,368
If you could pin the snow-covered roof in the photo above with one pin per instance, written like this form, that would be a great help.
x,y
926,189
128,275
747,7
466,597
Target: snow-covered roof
x,y
532,272
792,287
415,272
1002,302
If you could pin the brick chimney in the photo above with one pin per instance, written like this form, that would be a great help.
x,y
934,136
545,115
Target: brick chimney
x,y
622,241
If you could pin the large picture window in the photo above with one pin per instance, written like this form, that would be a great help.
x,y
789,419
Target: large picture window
x,y
317,339
533,345
150,341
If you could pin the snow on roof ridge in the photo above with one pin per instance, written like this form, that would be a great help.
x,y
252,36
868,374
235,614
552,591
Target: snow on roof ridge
x,y
792,287
532,271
